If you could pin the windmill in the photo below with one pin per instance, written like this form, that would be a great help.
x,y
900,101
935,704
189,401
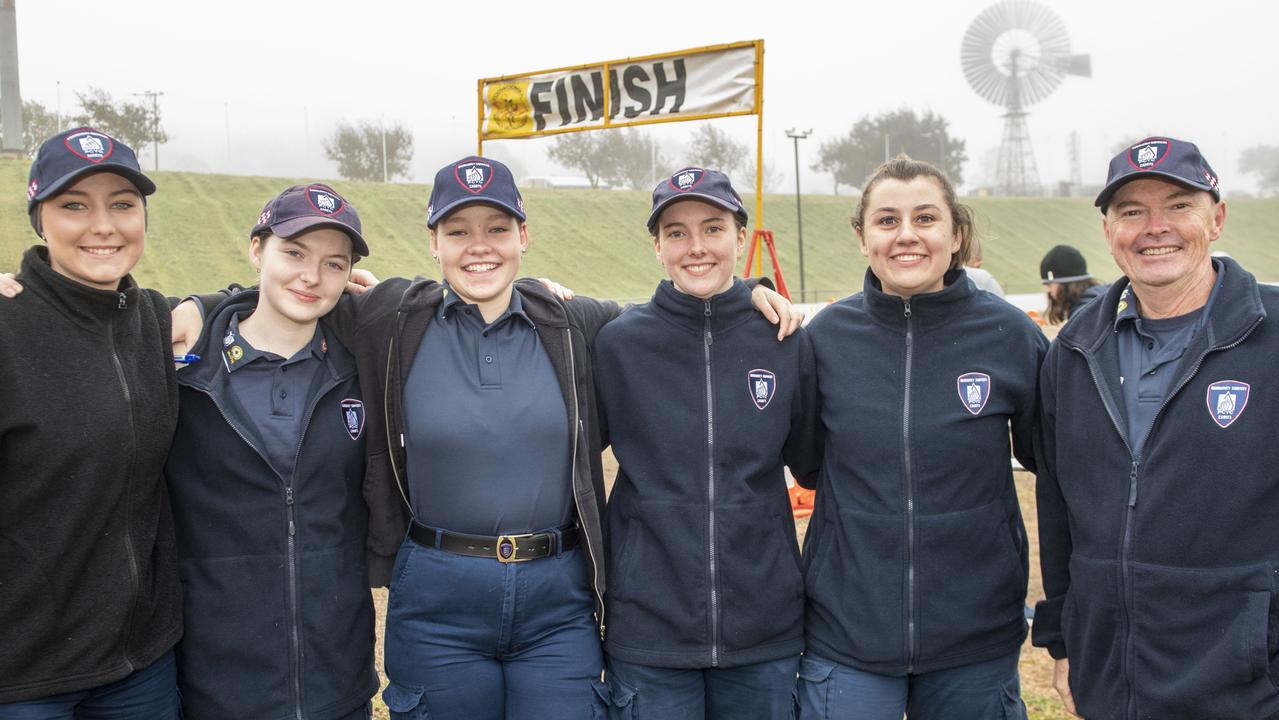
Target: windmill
x,y
1014,54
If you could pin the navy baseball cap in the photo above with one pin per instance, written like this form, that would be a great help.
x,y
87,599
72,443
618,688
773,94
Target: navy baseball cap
x,y
305,207
1160,157
473,179
69,156
693,183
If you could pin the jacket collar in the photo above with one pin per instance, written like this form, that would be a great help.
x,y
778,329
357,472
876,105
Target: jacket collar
x,y
1236,308
926,309
211,348
724,310
89,307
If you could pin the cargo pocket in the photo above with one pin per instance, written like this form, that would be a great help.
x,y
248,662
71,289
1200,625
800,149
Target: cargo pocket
x,y
621,700
813,688
1010,695
600,702
405,702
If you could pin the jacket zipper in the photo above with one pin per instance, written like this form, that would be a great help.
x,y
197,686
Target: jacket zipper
x,y
1125,575
577,431
910,495
386,415
294,621
707,340
295,640
134,574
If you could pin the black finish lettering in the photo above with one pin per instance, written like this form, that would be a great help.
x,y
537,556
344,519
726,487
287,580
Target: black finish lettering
x,y
541,107
633,77
585,100
673,88
615,95
561,97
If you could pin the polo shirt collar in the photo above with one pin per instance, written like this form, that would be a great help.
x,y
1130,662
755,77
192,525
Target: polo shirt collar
x,y
238,352
453,302
1128,308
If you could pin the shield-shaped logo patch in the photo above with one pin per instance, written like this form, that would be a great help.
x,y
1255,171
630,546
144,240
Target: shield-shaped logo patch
x,y
353,417
474,175
92,146
324,201
1226,401
974,391
763,384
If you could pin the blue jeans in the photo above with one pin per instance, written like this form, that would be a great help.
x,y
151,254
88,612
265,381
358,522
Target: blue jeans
x,y
762,691
147,694
474,639
988,690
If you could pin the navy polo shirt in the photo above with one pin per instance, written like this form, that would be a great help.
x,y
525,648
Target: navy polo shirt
x,y
273,392
486,429
1148,353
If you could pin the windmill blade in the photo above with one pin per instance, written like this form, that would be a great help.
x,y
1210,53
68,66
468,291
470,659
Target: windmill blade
x,y
1080,65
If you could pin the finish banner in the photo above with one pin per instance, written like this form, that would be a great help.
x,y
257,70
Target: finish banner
x,y
708,82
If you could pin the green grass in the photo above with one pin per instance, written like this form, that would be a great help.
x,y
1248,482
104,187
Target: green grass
x,y
594,240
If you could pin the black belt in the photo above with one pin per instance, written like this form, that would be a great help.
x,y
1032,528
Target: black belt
x,y
503,548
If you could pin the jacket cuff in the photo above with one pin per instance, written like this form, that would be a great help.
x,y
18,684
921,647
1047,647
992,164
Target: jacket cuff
x,y
379,569
1045,631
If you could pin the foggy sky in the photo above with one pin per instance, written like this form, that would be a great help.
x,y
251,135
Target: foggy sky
x,y
251,87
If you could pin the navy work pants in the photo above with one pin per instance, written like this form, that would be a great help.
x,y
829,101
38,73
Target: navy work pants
x,y
471,638
761,691
988,690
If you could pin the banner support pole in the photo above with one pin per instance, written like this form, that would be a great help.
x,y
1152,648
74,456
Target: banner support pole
x,y
479,120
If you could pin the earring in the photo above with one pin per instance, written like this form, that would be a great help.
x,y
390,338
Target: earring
x,y
436,258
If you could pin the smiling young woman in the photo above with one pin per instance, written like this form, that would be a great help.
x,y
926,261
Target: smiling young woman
x,y
266,474
916,556
704,408
90,606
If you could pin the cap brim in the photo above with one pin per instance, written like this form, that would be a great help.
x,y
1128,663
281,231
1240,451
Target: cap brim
x,y
443,212
739,212
296,226
1108,192
140,181
1071,278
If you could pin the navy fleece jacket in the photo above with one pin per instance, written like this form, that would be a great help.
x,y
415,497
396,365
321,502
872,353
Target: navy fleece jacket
x,y
916,554
1160,571
279,615
703,405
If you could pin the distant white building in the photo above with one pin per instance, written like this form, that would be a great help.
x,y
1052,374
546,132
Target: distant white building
x,y
569,182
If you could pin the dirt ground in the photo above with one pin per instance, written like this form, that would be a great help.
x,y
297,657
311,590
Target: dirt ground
x,y
1036,666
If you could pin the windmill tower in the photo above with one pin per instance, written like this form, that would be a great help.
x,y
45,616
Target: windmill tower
x,y
1014,54
10,97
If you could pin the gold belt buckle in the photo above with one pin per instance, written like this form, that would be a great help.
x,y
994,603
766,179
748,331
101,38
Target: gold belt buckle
x,y
508,548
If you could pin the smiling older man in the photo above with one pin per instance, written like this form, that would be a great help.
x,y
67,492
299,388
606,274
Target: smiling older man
x,y
1159,479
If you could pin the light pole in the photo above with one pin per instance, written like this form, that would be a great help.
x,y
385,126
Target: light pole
x,y
798,135
382,126
155,122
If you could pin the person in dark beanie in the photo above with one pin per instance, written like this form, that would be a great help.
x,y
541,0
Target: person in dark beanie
x,y
90,605
1064,273
706,589
1157,491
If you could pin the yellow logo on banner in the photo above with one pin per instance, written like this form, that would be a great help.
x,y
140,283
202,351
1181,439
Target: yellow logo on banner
x,y
510,111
